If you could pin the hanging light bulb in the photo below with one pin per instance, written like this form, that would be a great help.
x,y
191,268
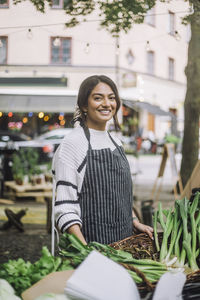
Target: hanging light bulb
x,y
148,48
177,35
117,49
10,114
29,34
57,42
87,48
41,115
1,44
25,120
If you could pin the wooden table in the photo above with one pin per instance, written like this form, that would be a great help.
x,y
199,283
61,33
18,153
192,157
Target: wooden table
x,y
38,191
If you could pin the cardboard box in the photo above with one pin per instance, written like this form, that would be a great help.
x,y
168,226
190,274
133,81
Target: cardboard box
x,y
53,283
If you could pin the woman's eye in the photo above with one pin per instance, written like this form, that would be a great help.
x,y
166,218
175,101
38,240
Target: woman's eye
x,y
97,98
112,98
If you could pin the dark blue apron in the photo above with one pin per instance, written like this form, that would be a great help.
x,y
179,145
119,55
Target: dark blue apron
x,y
106,195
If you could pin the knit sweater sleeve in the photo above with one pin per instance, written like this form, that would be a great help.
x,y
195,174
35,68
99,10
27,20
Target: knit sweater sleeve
x,y
69,178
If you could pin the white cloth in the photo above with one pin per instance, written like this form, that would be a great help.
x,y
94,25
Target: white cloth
x,y
100,278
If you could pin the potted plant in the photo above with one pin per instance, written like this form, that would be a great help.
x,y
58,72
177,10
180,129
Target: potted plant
x,y
17,169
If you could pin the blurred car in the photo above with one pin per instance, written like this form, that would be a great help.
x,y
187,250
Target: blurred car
x,y
46,143
54,136
8,137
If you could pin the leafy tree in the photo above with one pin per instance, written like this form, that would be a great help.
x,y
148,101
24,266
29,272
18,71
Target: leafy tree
x,y
120,15
115,15
190,149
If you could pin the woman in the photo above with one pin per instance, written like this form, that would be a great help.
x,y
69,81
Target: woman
x,y
93,180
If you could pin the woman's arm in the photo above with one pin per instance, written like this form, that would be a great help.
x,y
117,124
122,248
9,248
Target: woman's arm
x,y
142,227
75,229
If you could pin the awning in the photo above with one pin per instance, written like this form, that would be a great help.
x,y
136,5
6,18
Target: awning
x,y
35,100
140,105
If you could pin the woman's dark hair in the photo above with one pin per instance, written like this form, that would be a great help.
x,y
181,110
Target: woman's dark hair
x,y
85,90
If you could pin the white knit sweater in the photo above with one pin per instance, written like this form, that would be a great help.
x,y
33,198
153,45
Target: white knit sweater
x,y
66,162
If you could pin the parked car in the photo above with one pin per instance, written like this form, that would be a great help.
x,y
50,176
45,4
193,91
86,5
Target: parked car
x,y
46,143
8,137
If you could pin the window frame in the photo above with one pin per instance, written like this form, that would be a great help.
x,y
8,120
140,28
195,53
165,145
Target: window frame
x,y
6,5
60,6
172,32
171,60
150,72
6,38
153,11
60,50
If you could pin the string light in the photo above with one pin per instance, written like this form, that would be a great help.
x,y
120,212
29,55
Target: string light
x,y
117,49
41,115
25,120
30,114
148,48
10,114
130,57
177,35
57,42
87,48
61,117
62,122
46,118
1,114
29,34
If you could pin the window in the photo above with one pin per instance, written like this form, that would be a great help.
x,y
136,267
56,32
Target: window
x,y
150,62
171,28
188,33
60,50
150,17
3,49
171,68
4,3
57,4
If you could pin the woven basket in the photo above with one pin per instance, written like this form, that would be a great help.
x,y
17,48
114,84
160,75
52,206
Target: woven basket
x,y
141,246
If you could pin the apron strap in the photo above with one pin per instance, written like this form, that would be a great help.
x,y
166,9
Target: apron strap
x,y
87,134
116,145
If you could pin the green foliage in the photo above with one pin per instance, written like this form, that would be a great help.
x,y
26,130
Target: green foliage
x,y
21,275
25,162
172,139
115,15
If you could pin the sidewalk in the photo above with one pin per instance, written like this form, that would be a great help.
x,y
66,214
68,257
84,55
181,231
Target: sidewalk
x,y
146,168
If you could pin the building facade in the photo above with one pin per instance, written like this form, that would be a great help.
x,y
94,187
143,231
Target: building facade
x,y
42,64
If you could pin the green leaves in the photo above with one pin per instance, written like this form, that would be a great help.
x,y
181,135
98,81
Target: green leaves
x,y
21,275
114,15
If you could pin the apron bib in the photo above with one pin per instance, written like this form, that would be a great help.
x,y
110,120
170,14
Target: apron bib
x,y
106,195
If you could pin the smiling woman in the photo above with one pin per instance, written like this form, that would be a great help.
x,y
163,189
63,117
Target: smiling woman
x,y
92,174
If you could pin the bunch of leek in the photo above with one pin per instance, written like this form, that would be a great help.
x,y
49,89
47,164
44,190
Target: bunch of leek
x,y
141,270
181,233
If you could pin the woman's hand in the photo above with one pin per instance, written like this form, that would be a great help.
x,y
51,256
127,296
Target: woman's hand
x,y
143,228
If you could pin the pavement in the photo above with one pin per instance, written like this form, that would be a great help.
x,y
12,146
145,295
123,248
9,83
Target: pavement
x,y
144,173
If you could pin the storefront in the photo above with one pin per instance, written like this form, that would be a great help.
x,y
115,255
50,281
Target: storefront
x,y
34,111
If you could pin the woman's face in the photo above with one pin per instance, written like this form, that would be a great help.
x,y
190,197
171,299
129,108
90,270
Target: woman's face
x,y
101,106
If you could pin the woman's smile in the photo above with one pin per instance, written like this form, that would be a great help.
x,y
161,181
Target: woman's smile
x,y
101,106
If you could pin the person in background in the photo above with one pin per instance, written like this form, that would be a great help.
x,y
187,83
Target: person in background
x,y
94,186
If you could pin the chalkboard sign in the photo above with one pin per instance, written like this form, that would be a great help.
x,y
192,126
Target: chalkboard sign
x,y
168,152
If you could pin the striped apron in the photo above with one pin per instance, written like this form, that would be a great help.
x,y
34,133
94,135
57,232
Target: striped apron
x,y
106,195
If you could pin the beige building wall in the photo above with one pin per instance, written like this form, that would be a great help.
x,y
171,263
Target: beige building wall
x,y
30,56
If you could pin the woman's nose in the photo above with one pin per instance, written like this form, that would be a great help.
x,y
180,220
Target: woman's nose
x,y
106,101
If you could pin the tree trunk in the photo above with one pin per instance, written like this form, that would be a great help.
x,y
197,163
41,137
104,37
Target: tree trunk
x,y
190,148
